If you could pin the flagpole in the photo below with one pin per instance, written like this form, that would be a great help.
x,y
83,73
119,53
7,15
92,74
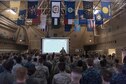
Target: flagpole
x,y
41,4
47,23
78,6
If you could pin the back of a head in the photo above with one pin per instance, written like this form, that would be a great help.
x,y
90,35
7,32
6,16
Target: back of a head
x,y
116,61
77,70
48,58
104,56
44,57
21,73
119,68
106,75
29,59
124,68
84,66
124,60
61,66
76,75
8,65
90,62
35,59
31,69
62,59
80,63
103,63
18,59
41,60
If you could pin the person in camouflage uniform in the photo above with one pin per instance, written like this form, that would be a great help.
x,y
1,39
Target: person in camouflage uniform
x,y
42,72
62,77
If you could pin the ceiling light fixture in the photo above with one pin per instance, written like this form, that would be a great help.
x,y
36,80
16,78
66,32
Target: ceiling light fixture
x,y
90,40
20,40
11,11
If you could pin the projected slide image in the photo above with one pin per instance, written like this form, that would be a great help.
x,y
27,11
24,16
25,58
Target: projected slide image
x,y
54,45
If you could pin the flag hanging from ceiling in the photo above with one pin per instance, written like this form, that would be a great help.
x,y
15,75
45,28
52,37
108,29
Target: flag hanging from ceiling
x,y
68,27
32,0
21,18
55,23
90,25
55,0
43,22
98,18
14,9
68,21
88,9
106,9
37,19
106,0
82,20
55,9
32,9
65,21
70,9
77,26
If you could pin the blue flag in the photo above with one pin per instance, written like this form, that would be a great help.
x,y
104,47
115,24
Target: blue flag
x,y
105,0
106,9
90,25
82,20
55,0
98,18
21,18
70,9
77,26
88,9
68,27
32,9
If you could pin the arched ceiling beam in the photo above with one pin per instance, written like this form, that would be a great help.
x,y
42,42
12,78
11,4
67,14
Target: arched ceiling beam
x,y
10,28
7,28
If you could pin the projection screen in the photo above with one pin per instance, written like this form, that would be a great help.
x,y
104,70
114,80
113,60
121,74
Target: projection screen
x,y
50,45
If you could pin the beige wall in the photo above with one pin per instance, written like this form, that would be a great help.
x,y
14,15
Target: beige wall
x,y
113,35
77,39
5,33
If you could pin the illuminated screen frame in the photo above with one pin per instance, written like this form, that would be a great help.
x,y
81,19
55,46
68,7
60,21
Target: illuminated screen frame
x,y
65,38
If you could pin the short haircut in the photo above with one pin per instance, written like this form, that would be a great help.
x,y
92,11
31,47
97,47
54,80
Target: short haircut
x,y
77,70
103,63
124,60
62,59
8,65
80,63
106,74
44,57
116,61
29,59
61,66
41,60
21,73
18,59
35,59
90,62
31,69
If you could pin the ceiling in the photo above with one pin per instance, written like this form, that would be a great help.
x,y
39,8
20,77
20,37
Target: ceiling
x,y
8,21
44,5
